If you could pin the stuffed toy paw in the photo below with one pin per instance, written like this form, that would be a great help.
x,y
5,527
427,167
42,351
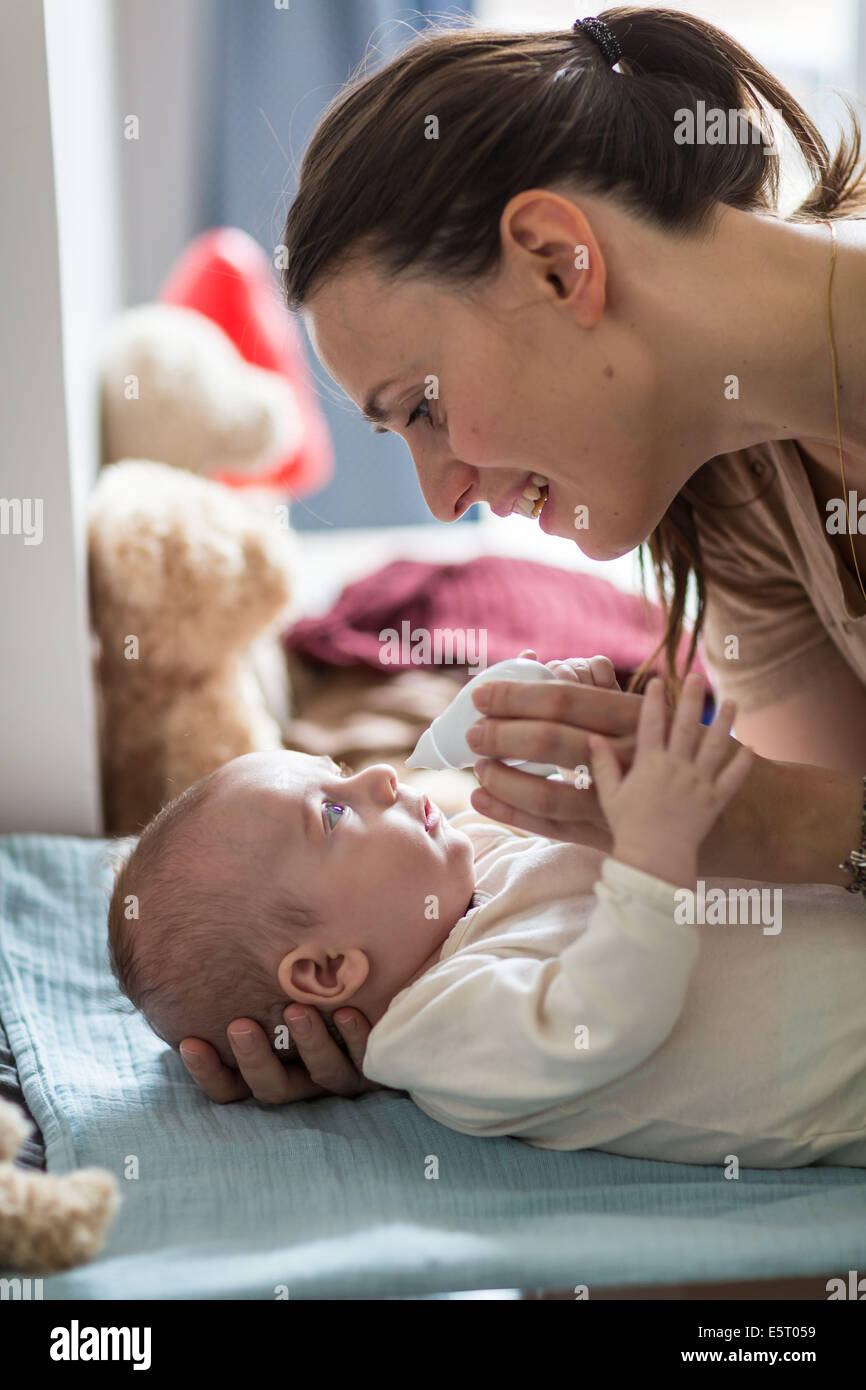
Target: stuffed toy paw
x,y
47,1221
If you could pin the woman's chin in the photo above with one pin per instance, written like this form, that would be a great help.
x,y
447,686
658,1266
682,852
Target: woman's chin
x,y
604,554
556,520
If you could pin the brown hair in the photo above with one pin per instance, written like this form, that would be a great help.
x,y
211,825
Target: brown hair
x,y
530,110
184,955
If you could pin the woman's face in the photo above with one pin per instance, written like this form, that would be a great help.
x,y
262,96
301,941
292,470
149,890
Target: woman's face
x,y
539,370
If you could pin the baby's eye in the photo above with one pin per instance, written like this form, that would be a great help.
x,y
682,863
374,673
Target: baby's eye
x,y
330,806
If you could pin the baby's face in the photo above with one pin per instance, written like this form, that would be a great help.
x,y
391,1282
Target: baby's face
x,y
365,852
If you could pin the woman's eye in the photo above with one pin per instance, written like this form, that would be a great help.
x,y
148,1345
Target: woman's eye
x,y
330,806
417,411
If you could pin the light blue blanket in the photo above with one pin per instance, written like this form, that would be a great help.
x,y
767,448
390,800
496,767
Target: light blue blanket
x,y
337,1198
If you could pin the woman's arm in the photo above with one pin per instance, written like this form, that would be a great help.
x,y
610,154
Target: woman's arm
x,y
816,739
789,823
824,725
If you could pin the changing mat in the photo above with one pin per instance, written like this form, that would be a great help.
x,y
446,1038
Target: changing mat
x,y
344,1198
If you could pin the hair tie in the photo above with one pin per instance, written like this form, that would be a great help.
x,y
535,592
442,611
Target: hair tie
x,y
602,35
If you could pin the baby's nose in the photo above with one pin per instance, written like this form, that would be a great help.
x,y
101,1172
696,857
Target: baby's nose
x,y
381,781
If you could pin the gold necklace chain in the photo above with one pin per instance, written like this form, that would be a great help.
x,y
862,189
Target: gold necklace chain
x,y
836,402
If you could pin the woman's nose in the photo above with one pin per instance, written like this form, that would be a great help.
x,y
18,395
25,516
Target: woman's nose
x,y
447,487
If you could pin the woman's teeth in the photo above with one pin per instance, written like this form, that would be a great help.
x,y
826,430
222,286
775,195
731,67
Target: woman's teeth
x,y
533,498
539,506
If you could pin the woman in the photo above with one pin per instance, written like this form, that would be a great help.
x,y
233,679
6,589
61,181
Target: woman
x,y
555,284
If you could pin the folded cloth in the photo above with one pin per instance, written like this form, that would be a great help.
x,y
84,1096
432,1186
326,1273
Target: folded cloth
x,y
495,604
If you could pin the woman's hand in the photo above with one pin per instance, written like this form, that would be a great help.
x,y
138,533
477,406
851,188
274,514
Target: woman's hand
x,y
788,823
323,1069
550,723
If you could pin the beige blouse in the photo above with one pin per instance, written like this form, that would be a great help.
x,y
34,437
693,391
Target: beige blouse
x,y
774,580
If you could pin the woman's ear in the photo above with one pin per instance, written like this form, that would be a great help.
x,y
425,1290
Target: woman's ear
x,y
550,236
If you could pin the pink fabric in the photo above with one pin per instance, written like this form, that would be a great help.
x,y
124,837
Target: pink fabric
x,y
519,603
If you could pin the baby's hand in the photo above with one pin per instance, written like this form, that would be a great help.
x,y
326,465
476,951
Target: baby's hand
x,y
592,670
661,809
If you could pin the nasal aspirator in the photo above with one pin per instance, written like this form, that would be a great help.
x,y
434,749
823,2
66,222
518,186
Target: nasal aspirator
x,y
444,743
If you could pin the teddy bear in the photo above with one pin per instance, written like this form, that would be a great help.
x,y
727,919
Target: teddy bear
x,y
191,578
173,388
185,577
49,1222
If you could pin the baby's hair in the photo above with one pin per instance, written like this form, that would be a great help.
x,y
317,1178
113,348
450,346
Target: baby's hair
x,y
171,943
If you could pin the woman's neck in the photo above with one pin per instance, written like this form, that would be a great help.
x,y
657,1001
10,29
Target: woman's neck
x,y
738,324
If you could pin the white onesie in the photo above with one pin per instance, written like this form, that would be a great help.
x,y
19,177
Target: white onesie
x,y
569,1007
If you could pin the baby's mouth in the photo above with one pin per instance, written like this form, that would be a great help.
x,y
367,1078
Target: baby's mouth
x,y
431,816
534,496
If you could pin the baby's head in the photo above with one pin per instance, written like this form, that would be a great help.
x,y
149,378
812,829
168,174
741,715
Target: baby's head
x,y
277,878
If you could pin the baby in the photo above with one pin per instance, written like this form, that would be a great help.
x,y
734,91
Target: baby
x,y
516,985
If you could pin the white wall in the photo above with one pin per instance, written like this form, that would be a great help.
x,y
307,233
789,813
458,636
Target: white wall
x,y
59,280
165,63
